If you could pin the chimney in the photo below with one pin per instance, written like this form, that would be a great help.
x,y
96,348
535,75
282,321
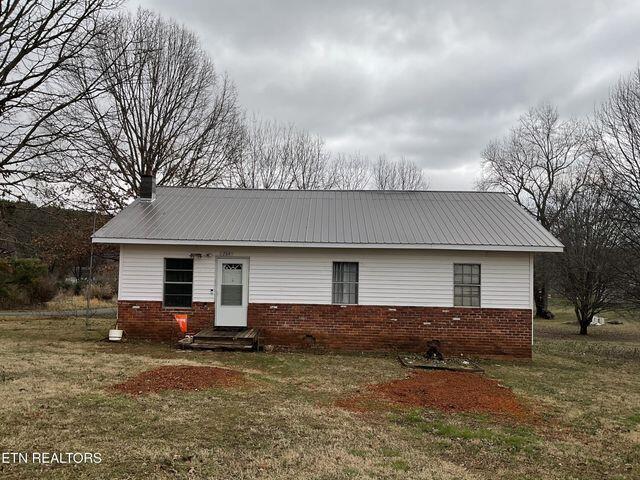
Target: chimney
x,y
147,187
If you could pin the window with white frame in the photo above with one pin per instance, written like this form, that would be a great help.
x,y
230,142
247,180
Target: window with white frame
x,y
178,282
466,285
345,283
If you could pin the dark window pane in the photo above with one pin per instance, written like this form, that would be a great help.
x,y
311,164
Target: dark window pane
x,y
178,276
177,288
179,263
178,285
177,300
231,294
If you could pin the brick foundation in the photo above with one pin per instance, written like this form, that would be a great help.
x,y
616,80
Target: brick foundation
x,y
146,320
473,331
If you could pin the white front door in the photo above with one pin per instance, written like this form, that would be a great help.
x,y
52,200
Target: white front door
x,y
232,292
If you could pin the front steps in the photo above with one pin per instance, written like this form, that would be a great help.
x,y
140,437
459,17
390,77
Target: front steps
x,y
222,338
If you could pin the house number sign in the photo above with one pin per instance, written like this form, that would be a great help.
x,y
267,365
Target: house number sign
x,y
226,253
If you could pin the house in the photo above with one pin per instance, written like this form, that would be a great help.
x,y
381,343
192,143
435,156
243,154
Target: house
x,y
347,270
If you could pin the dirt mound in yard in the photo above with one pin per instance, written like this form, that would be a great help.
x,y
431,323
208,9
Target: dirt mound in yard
x,y
181,377
441,390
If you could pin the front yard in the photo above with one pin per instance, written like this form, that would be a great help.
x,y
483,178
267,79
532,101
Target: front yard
x,y
283,420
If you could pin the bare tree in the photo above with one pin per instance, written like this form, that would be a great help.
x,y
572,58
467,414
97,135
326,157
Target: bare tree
x,y
278,156
588,273
38,41
402,174
160,109
309,162
349,172
617,147
263,163
543,163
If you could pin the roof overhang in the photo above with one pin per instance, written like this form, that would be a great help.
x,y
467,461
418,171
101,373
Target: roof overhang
x,y
390,246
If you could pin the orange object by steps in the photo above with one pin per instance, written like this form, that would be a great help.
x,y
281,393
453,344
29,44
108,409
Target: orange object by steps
x,y
181,320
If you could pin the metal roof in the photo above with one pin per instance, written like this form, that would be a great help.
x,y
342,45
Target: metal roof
x,y
329,218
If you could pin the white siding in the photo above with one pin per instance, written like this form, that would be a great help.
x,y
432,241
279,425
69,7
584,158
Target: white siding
x,y
303,275
142,272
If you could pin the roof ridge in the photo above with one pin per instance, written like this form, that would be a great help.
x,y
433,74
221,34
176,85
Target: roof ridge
x,y
234,189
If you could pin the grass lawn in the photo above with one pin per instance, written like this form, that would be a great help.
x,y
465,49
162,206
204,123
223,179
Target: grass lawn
x,y
282,423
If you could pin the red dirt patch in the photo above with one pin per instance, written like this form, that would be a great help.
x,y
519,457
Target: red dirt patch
x,y
442,390
181,377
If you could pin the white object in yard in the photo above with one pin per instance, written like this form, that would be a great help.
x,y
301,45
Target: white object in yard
x,y
115,335
597,321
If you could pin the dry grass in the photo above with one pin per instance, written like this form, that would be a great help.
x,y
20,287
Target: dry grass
x,y
67,302
77,302
53,391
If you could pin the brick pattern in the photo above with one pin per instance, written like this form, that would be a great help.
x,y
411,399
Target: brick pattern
x,y
472,331
146,320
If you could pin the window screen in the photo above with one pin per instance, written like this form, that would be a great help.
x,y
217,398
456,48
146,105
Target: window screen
x,y
345,283
466,285
178,282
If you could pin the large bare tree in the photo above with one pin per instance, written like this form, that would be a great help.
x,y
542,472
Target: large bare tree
x,y
543,163
402,174
39,39
160,109
617,146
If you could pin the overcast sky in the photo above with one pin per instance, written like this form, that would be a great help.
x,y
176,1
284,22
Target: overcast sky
x,y
431,80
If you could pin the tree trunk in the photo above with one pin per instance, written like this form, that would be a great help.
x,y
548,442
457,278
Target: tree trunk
x,y
541,300
583,328
541,286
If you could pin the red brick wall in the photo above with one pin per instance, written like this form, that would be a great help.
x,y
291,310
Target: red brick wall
x,y
475,331
150,321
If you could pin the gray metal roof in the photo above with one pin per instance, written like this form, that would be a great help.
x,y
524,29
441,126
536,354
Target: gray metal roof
x,y
367,218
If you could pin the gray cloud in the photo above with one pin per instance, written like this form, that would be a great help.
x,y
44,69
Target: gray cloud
x,y
433,81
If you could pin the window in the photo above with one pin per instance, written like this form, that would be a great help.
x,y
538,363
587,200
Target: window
x,y
231,284
178,282
345,283
466,285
